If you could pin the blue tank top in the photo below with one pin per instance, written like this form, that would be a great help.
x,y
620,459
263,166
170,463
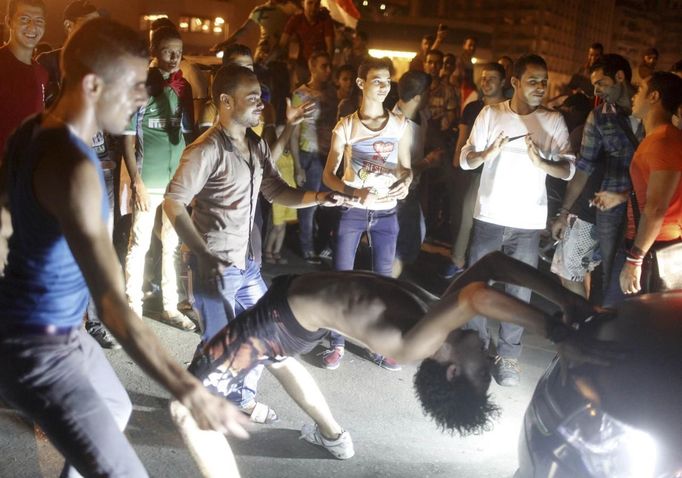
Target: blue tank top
x,y
43,284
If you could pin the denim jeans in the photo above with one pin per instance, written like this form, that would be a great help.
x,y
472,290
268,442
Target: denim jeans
x,y
610,230
614,295
218,304
66,385
382,230
521,244
412,228
312,164
470,182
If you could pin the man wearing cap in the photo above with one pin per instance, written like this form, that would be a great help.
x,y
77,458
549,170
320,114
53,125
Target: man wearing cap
x,y
77,13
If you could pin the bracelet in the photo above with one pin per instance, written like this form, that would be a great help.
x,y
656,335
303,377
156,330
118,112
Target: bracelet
x,y
634,262
317,201
636,252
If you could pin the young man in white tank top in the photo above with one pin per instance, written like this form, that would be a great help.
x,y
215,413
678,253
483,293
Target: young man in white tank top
x,y
376,155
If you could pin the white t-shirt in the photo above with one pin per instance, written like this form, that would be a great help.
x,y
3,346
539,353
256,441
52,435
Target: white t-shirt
x,y
373,154
512,191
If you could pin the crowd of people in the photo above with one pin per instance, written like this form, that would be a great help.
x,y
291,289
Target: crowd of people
x,y
327,134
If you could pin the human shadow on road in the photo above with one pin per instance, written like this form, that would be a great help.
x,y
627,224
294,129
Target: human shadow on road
x,y
278,443
151,423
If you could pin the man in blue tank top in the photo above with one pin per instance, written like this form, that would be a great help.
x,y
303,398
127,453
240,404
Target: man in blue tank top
x,y
60,248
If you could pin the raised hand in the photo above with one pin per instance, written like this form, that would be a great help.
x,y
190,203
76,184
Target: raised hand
x,y
296,114
604,200
493,151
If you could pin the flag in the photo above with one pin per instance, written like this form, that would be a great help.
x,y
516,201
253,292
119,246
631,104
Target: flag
x,y
343,11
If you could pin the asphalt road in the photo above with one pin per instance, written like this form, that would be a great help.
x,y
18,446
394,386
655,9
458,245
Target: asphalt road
x,y
392,437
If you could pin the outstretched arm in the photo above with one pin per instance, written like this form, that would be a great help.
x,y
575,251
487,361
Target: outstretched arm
x,y
498,267
457,308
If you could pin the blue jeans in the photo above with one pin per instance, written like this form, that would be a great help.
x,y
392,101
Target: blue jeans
x,y
521,244
412,228
382,230
218,304
610,230
313,165
614,295
66,385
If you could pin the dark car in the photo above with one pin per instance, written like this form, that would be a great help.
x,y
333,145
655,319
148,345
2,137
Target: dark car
x,y
619,421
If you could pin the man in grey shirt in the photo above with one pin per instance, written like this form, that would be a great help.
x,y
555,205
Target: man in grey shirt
x,y
221,174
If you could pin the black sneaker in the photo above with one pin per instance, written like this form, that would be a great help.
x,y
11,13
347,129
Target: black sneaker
x,y
311,258
102,336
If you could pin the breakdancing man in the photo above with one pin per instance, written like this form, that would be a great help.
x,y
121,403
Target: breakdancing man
x,y
388,316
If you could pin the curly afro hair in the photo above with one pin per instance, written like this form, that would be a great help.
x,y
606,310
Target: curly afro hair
x,y
454,405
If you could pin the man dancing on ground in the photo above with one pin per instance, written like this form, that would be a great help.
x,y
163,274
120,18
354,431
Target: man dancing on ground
x,y
389,317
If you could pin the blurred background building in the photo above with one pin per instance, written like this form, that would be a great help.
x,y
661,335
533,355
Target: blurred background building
x,y
559,30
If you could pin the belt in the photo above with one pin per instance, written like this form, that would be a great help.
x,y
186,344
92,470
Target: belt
x,y
108,165
36,329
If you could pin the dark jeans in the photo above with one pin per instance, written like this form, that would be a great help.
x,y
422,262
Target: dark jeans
x,y
412,228
610,230
93,316
313,165
217,305
66,385
521,244
382,230
614,295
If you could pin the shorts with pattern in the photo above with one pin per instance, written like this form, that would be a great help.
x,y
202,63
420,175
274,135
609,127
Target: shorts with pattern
x,y
578,251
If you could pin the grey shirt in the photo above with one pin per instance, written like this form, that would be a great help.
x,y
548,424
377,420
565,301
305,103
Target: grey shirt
x,y
222,187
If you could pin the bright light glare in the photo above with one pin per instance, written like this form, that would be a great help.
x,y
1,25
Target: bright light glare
x,y
392,53
219,20
641,450
365,3
609,447
474,60
151,18
382,6
220,54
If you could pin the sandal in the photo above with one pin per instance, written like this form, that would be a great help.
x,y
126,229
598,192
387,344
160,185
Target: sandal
x,y
177,319
278,257
269,258
260,413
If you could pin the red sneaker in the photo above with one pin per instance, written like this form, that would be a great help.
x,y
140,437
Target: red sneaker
x,y
385,362
331,358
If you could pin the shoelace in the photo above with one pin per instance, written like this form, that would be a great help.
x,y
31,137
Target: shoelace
x,y
507,363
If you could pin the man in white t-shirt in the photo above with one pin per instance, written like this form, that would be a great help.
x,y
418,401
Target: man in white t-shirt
x,y
519,143
377,173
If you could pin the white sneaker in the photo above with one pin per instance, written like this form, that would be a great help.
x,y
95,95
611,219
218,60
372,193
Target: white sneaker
x,y
341,448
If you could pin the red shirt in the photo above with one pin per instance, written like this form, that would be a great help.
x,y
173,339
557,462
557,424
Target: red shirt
x,y
22,92
659,151
310,35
